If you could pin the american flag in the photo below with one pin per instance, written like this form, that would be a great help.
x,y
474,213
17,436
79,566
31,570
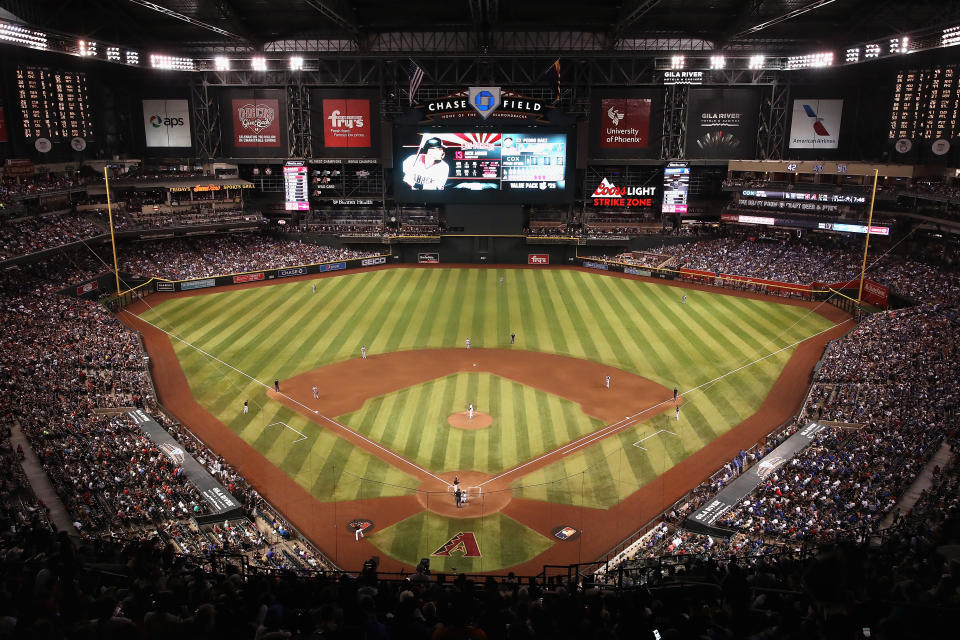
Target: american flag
x,y
416,77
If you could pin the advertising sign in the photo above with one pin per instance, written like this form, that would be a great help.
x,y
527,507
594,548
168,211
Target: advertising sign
x,y
485,102
538,258
166,123
608,194
722,123
370,262
257,120
346,123
428,258
626,123
333,266
166,286
816,124
596,265
87,288
247,277
198,284
289,273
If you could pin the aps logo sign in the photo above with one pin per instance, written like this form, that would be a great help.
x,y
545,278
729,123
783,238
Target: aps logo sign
x,y
165,121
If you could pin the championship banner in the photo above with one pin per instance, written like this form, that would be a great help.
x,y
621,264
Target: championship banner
x,y
3,127
258,122
816,124
722,123
166,123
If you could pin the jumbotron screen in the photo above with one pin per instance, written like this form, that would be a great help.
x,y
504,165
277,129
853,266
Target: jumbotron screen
x,y
465,167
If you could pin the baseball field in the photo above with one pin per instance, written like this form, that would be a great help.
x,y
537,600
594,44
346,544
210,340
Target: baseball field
x,y
555,466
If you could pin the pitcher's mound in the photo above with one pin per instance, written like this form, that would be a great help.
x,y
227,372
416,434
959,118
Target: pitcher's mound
x,y
460,420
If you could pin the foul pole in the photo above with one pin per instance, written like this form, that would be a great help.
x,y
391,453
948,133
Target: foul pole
x,y
113,242
866,243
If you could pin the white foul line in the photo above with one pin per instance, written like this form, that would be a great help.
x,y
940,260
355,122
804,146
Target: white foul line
x,y
302,437
637,443
619,425
295,401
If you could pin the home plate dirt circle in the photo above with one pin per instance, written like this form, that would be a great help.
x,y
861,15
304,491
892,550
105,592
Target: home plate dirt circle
x,y
461,420
436,495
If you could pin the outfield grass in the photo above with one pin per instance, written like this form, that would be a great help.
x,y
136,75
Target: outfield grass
x,y
527,423
282,330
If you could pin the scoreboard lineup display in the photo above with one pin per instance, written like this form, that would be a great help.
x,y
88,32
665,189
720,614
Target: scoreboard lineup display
x,y
295,188
926,104
54,104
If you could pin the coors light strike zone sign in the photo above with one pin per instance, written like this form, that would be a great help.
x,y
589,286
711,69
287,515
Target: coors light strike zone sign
x,y
255,123
608,194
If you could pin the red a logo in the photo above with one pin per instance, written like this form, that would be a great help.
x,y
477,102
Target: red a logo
x,y
464,543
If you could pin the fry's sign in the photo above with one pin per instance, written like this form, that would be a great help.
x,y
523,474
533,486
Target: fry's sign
x,y
608,194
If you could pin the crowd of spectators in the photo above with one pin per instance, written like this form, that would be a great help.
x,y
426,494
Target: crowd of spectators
x,y
202,257
804,262
37,233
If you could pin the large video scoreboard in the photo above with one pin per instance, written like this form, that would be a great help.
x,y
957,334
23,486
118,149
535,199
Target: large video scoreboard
x,y
522,165
54,104
926,104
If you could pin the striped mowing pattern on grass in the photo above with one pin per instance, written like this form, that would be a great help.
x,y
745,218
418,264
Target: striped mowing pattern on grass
x,y
527,423
284,329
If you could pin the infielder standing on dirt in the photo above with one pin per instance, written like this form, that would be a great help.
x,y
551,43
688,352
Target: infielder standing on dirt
x,y
607,382
316,396
470,411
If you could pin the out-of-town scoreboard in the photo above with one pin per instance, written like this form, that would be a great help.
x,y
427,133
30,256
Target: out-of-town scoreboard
x,y
926,104
54,104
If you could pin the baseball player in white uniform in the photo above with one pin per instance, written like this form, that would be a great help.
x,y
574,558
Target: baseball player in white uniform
x,y
470,411
363,352
427,170
606,382
468,343
246,406
316,395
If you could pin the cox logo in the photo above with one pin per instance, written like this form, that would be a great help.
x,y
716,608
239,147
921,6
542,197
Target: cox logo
x,y
156,122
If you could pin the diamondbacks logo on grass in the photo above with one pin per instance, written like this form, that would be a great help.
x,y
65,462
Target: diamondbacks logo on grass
x,y
566,533
361,524
464,543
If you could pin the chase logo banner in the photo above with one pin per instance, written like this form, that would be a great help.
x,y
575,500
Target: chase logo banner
x,y
484,100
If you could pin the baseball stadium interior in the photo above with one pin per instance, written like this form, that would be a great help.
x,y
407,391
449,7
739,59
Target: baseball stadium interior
x,y
168,165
